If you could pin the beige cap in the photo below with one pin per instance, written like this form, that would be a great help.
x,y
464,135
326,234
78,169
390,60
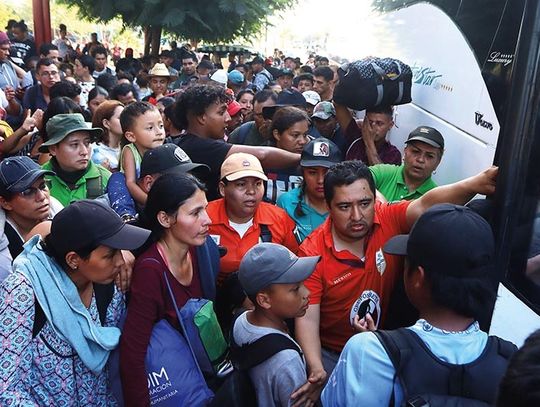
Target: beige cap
x,y
241,165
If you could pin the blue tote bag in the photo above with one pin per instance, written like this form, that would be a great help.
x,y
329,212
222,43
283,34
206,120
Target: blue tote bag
x,y
174,377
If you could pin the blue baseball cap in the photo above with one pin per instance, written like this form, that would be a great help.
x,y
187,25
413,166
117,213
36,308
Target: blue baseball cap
x,y
236,77
18,173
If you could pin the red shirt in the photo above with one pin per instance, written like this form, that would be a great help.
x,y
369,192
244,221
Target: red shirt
x,y
281,227
344,285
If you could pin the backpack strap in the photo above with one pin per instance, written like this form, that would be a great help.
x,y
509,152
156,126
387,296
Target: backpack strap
x,y
398,349
266,234
248,356
94,187
242,134
103,293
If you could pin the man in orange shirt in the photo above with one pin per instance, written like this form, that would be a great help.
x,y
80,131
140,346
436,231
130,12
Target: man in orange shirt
x,y
351,286
240,219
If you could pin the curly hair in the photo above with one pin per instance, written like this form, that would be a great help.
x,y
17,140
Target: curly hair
x,y
196,99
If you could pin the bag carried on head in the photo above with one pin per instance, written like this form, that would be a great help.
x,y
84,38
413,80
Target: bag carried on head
x,y
373,82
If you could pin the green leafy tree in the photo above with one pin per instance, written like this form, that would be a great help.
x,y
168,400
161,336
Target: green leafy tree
x,y
210,21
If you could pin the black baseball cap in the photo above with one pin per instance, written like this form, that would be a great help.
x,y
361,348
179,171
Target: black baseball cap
x,y
18,173
87,222
169,158
449,239
287,97
320,152
427,135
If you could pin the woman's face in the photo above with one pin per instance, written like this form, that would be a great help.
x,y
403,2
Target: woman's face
x,y
113,124
191,222
102,266
94,103
246,101
294,138
314,179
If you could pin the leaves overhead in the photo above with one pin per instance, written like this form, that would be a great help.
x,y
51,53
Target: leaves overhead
x,y
211,20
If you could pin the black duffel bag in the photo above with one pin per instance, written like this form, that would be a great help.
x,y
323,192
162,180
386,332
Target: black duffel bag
x,y
373,82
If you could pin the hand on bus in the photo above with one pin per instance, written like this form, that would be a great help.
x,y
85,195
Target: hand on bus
x,y
308,394
484,183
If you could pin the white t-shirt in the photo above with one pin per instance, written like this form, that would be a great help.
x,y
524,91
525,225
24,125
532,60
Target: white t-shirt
x,y
241,228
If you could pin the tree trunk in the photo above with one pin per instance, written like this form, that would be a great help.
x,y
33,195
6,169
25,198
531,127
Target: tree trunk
x,y
147,40
156,39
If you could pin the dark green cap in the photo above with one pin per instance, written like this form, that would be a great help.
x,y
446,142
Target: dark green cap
x,y
62,125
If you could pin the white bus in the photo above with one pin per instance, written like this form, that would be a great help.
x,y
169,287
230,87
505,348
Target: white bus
x,y
476,69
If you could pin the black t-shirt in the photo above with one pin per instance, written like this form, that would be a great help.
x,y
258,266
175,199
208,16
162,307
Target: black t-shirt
x,y
206,151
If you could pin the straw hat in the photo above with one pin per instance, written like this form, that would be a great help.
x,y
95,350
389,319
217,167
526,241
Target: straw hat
x,y
160,70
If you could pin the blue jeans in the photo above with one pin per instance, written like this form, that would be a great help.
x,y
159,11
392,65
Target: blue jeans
x,y
119,196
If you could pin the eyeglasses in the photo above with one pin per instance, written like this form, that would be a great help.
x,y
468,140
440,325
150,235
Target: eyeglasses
x,y
51,74
32,191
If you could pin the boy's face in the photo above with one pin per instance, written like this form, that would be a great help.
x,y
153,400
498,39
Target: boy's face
x,y
242,197
215,120
288,300
147,130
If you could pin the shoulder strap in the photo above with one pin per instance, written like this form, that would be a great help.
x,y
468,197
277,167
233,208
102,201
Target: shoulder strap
x,y
396,346
103,293
266,234
248,356
94,187
242,133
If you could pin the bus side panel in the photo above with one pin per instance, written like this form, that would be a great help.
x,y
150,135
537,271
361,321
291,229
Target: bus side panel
x,y
512,319
448,89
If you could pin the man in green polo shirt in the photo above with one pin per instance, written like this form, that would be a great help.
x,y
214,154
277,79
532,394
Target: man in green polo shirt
x,y
422,154
77,177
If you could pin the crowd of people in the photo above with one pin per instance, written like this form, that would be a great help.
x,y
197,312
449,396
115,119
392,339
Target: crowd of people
x,y
121,183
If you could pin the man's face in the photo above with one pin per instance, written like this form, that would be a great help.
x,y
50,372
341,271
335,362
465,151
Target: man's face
x,y
352,210
262,125
420,160
216,119
326,127
18,34
158,84
321,85
73,153
4,52
54,55
285,81
48,75
80,70
188,66
127,99
256,67
380,123
101,62
166,60
305,85
290,64
242,197
241,69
